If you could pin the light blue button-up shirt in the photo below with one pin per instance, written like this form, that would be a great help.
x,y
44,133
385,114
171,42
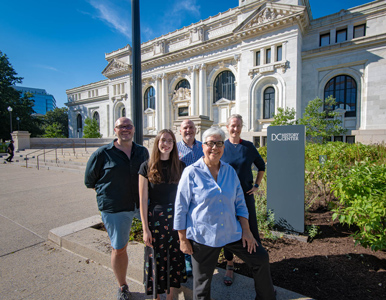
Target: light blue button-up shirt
x,y
207,209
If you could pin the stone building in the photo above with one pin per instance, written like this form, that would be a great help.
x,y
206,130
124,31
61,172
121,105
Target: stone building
x,y
250,60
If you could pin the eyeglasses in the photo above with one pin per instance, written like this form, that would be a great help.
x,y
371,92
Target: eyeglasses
x,y
162,141
211,144
128,127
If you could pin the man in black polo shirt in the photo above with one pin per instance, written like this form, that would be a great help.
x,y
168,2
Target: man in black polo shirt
x,y
112,171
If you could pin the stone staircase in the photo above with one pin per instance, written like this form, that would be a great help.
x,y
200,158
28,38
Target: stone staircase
x,y
65,159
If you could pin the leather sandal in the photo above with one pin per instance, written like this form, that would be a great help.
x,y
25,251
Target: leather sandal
x,y
228,280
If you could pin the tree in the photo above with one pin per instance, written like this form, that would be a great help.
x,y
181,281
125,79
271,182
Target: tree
x,y
22,105
284,117
320,124
53,130
91,129
58,116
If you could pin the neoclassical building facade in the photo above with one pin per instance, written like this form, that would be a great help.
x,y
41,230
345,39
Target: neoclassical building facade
x,y
251,60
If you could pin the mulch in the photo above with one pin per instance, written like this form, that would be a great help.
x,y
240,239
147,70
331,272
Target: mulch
x,y
328,267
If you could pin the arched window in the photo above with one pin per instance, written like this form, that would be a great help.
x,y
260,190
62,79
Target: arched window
x,y
79,125
183,84
149,100
344,89
269,103
123,112
224,86
96,117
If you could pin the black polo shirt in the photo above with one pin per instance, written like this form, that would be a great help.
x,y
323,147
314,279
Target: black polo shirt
x,y
115,177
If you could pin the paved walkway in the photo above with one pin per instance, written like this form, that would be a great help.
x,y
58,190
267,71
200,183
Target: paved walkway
x,y
32,203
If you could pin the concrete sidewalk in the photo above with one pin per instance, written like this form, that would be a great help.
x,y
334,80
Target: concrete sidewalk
x,y
75,262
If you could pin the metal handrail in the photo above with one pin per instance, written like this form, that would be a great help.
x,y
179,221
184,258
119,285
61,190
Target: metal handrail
x,y
44,153
26,157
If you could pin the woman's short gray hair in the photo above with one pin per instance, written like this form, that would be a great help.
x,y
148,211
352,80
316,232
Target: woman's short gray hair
x,y
213,131
236,116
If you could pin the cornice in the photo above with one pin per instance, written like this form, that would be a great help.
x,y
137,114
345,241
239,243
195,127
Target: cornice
x,y
351,45
92,85
268,17
88,100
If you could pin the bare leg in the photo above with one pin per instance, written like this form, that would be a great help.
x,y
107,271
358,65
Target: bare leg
x,y
170,295
119,263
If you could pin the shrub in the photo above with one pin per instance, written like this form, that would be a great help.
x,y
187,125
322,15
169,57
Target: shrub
x,y
362,202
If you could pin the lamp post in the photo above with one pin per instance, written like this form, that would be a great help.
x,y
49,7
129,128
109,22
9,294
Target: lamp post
x,y
10,120
18,123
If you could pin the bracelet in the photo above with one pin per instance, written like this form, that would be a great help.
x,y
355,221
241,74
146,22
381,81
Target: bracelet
x,y
256,185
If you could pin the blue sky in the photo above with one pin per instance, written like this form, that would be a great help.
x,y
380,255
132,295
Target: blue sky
x,y
58,45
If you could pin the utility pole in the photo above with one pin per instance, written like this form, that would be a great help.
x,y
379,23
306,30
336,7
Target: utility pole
x,y
136,75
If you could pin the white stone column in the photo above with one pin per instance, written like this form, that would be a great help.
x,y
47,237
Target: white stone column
x,y
273,54
194,91
238,108
203,109
158,103
262,56
165,103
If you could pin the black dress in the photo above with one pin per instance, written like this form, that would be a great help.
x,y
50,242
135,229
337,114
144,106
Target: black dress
x,y
164,263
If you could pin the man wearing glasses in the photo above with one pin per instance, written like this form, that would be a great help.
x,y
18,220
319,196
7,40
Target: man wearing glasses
x,y
112,171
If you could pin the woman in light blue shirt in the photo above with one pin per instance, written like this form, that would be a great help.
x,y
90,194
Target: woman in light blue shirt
x,y
210,213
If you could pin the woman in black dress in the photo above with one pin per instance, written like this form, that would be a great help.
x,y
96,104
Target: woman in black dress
x,y
158,180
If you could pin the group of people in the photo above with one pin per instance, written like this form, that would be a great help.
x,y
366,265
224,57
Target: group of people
x,y
193,199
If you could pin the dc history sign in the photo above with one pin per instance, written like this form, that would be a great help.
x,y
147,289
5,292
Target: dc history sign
x,y
285,176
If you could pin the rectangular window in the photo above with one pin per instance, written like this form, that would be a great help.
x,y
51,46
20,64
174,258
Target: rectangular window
x,y
338,138
350,139
279,53
264,141
258,58
324,39
183,111
256,141
359,30
341,35
268,56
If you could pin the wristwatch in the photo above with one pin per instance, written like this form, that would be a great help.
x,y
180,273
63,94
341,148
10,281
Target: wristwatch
x,y
256,185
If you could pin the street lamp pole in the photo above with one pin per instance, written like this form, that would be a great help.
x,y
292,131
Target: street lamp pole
x,y
10,120
18,123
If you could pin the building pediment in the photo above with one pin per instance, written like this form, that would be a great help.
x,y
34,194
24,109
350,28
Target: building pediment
x,y
116,68
271,15
223,102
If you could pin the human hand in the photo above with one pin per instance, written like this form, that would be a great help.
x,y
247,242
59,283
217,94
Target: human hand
x,y
249,241
186,247
147,238
252,191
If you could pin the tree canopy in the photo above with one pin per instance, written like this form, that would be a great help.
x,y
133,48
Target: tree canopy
x,y
91,129
320,123
22,106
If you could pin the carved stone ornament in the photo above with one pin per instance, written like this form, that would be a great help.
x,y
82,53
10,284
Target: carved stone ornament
x,y
116,68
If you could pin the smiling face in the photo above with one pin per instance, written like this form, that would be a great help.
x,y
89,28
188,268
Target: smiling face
x,y
234,128
124,129
213,154
188,131
165,144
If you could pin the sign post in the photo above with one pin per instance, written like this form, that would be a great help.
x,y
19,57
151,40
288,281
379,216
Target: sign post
x,y
285,176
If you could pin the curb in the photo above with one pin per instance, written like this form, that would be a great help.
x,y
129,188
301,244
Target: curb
x,y
82,238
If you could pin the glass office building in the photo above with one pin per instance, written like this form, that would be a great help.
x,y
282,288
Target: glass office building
x,y
43,101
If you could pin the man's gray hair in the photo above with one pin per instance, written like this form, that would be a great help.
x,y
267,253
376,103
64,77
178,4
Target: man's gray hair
x,y
236,116
213,131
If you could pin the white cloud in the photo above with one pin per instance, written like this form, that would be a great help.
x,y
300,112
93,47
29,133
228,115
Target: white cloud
x,y
46,67
112,15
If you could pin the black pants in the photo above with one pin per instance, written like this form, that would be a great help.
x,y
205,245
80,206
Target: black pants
x,y
9,158
204,260
252,220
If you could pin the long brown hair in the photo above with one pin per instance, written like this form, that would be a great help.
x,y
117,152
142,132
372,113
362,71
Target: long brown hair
x,y
155,174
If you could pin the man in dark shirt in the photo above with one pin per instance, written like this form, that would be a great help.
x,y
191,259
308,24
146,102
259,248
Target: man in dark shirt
x,y
112,171
10,150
